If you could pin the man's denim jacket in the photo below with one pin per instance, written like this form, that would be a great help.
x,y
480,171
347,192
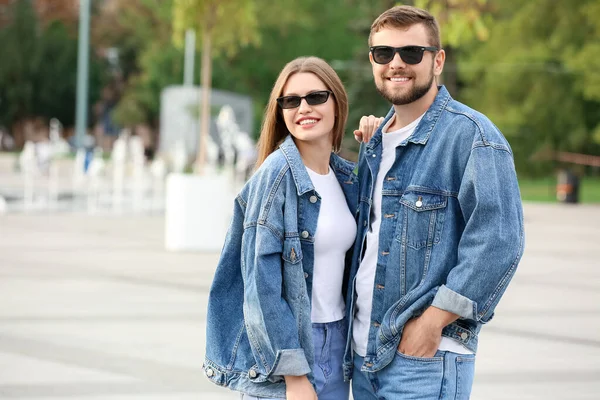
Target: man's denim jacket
x,y
259,322
451,231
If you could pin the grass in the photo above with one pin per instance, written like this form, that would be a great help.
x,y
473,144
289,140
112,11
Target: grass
x,y
544,190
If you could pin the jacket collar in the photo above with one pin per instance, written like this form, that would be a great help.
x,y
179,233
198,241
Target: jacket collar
x,y
425,127
292,155
341,165
299,173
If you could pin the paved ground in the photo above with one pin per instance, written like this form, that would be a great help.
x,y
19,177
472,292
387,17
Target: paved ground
x,y
94,308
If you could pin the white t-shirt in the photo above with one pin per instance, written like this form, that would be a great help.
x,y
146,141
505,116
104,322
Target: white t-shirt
x,y
336,231
365,277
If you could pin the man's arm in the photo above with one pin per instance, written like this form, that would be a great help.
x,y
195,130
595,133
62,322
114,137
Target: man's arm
x,y
491,244
488,253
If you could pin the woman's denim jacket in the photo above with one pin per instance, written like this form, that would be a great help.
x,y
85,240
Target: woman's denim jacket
x,y
258,324
451,231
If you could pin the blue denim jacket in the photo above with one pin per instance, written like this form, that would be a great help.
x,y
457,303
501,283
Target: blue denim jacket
x,y
452,228
258,323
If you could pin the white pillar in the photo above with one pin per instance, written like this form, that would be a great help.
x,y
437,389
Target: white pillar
x,y
197,212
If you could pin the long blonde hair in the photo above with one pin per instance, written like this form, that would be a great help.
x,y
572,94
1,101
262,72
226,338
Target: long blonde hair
x,y
274,130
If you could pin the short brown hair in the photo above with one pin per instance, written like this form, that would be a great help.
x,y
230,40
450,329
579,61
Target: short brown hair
x,y
405,17
274,130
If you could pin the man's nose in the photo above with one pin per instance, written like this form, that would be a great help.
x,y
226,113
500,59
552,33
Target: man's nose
x,y
397,61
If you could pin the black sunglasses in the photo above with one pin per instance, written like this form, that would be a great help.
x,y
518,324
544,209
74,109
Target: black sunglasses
x,y
312,99
409,54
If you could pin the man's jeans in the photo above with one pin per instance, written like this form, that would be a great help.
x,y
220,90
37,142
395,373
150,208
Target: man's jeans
x,y
445,376
330,341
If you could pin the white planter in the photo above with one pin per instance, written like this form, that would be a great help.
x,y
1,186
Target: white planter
x,y
198,211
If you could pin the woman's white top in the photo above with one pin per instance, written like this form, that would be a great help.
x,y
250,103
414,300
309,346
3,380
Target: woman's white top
x,y
336,231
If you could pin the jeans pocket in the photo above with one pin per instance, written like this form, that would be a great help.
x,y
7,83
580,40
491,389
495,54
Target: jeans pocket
x,y
408,377
465,372
437,357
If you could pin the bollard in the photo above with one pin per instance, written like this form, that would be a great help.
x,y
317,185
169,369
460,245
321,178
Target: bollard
x,y
567,187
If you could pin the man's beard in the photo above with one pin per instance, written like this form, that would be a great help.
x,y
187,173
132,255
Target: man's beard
x,y
413,95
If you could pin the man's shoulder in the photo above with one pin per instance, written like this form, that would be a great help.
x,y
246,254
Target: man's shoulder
x,y
474,124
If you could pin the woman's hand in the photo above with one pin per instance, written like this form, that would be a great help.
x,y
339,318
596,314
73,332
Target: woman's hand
x,y
367,127
299,388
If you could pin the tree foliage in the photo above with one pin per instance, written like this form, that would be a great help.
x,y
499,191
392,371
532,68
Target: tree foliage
x,y
141,32
537,78
532,67
461,21
38,68
224,25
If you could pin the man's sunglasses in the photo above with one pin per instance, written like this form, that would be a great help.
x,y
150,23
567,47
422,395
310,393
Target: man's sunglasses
x,y
409,54
312,99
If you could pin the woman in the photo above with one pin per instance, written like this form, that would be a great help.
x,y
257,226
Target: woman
x,y
275,324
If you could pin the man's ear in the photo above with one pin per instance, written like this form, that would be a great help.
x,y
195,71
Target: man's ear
x,y
438,62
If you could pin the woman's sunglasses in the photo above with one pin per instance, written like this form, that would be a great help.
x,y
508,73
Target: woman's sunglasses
x,y
409,54
312,99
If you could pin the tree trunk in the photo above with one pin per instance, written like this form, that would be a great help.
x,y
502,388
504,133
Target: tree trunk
x,y
206,82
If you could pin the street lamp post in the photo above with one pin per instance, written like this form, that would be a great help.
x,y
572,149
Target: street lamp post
x,y
83,54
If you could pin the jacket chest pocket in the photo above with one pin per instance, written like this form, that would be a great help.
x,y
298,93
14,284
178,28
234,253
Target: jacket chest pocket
x,y
423,218
294,285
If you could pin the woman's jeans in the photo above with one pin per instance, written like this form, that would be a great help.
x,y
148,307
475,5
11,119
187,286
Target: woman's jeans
x,y
446,376
329,340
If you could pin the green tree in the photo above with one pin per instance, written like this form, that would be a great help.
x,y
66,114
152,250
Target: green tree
x,y
38,70
328,35
148,61
20,64
462,22
224,26
536,78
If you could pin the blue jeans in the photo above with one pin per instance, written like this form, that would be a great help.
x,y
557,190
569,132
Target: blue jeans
x,y
445,376
330,341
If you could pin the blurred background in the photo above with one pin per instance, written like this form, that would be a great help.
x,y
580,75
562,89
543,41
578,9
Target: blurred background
x,y
117,172
532,66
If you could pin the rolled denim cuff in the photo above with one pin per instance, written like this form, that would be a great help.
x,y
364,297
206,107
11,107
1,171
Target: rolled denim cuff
x,y
291,362
448,300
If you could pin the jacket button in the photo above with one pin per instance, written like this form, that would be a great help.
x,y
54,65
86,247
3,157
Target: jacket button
x,y
365,223
304,234
464,335
306,274
313,199
252,373
419,202
209,372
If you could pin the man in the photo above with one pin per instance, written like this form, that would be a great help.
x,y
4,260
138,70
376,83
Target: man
x,y
440,225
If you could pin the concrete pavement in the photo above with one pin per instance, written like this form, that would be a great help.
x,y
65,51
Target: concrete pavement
x,y
95,308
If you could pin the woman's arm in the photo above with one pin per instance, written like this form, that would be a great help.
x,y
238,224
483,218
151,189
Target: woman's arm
x,y
271,326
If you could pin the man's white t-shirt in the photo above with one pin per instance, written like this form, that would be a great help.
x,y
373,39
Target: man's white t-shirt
x,y
365,277
336,231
